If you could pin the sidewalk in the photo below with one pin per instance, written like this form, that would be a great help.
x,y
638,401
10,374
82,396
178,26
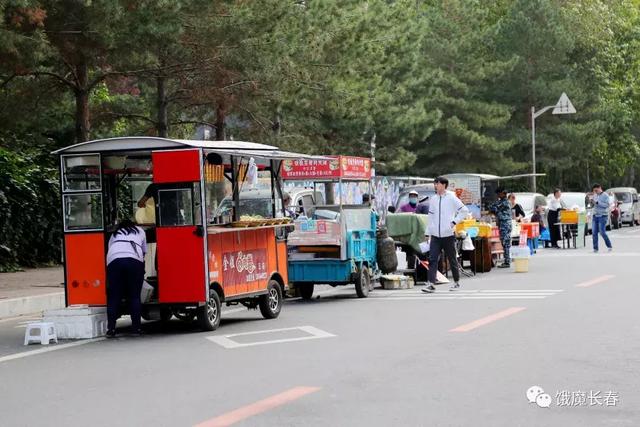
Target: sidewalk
x,y
31,291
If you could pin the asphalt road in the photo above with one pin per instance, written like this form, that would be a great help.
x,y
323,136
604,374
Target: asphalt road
x,y
569,326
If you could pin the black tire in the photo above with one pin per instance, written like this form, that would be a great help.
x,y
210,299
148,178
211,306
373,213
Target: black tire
x,y
271,303
363,282
165,314
185,315
306,290
209,314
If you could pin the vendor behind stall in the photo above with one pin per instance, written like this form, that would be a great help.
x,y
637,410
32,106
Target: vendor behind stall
x,y
517,211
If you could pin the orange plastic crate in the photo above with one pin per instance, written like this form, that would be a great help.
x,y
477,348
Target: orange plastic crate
x,y
569,217
532,228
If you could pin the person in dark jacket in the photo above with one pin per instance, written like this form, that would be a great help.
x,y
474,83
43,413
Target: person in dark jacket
x,y
502,210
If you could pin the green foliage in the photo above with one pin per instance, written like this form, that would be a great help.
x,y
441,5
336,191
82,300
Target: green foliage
x,y
441,85
29,210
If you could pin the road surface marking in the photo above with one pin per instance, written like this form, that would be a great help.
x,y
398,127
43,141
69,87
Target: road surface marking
x,y
258,407
47,349
486,320
443,294
595,281
226,341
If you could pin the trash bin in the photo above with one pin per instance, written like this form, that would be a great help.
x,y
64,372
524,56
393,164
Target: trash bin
x,y
520,258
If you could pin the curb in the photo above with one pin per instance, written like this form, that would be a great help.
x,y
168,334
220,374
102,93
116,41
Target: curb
x,y
26,305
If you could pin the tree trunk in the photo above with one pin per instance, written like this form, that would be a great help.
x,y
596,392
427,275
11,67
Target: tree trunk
x,y
82,103
220,118
162,124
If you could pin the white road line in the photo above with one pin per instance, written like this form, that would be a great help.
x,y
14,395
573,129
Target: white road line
x,y
227,342
434,297
51,347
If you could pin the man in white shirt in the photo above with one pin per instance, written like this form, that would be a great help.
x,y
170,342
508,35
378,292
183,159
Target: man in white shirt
x,y
445,211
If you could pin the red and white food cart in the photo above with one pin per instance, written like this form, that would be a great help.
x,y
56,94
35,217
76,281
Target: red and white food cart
x,y
209,242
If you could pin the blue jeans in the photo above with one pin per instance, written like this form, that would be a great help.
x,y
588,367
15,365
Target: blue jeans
x,y
600,226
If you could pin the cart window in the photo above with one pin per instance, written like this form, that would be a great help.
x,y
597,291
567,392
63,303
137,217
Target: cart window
x,y
83,212
81,173
176,207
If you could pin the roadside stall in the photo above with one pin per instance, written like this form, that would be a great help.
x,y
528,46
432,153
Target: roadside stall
x,y
208,244
478,192
334,243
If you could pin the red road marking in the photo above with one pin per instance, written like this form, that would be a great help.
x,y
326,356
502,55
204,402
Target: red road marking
x,y
258,407
595,281
486,320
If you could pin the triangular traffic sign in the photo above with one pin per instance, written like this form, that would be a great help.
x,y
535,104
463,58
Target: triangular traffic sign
x,y
564,106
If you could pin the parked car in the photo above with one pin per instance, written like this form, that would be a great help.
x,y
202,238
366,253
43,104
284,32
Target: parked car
x,y
304,201
424,190
629,206
529,201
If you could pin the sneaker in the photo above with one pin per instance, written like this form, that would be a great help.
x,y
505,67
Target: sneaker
x,y
504,265
454,287
595,251
610,250
429,289
110,333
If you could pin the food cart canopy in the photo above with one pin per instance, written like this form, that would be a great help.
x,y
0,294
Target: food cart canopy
x,y
327,169
146,143
487,177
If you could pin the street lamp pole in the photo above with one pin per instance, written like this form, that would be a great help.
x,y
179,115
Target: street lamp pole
x,y
563,106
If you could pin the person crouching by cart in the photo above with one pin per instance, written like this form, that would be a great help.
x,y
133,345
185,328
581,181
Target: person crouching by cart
x,y
501,208
125,273
445,211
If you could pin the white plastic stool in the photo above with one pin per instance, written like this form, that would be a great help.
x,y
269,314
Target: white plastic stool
x,y
46,333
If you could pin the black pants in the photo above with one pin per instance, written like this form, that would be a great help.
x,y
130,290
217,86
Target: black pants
x,y
436,245
554,230
124,278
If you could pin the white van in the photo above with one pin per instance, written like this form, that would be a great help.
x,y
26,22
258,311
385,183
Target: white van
x,y
629,206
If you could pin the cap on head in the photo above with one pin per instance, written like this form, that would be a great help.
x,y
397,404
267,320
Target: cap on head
x,y
413,193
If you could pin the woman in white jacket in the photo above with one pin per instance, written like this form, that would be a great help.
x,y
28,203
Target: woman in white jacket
x,y
445,211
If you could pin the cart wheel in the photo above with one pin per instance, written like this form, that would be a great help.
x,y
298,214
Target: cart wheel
x,y
209,314
363,283
271,303
165,314
306,290
185,315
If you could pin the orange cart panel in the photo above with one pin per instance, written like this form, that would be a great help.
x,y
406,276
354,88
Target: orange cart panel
x,y
85,268
241,261
180,265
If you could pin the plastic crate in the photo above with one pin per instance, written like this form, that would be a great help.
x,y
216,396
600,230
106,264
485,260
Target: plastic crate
x,y
484,230
532,229
568,217
361,245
